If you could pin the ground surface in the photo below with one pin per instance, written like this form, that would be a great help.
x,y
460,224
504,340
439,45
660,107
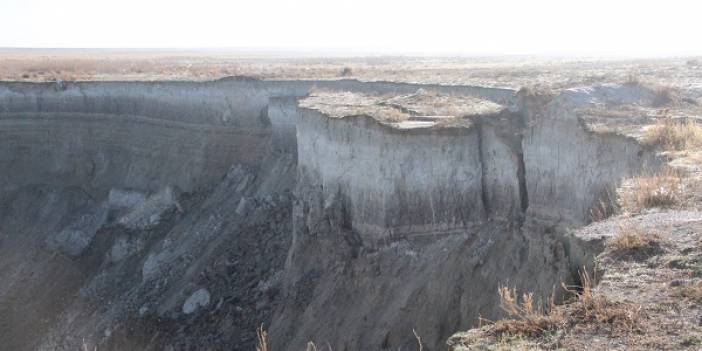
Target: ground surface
x,y
658,288
512,72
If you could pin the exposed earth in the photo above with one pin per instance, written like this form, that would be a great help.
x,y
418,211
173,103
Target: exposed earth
x,y
354,203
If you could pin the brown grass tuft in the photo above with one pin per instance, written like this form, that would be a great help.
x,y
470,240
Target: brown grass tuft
x,y
633,241
587,308
85,347
665,96
527,318
595,309
633,78
347,71
262,337
692,292
662,190
604,206
671,134
393,115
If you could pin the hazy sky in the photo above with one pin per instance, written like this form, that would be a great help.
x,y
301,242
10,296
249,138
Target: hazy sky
x,y
609,27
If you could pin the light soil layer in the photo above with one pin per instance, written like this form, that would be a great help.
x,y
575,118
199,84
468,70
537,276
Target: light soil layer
x,y
150,216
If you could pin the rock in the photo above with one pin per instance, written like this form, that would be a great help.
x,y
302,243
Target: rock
x,y
199,298
152,266
241,209
76,237
123,199
677,282
148,213
123,248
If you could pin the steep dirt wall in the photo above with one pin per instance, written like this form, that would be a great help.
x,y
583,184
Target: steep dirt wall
x,y
396,183
143,135
520,185
153,215
176,215
139,136
569,169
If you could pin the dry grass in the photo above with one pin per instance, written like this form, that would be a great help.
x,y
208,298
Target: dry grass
x,y
672,134
262,337
604,206
447,122
527,318
597,310
662,190
663,95
392,115
587,308
85,347
419,340
347,71
630,237
692,292
632,241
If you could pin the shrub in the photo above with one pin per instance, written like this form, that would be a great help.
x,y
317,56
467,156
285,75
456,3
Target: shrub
x,y
262,337
633,241
662,190
692,292
597,310
604,206
665,96
347,71
633,79
527,318
85,347
586,308
392,115
671,134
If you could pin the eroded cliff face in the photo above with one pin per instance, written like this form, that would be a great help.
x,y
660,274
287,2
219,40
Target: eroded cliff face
x,y
569,168
149,216
134,136
400,229
120,201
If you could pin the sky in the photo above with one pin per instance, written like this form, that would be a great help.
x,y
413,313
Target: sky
x,y
490,27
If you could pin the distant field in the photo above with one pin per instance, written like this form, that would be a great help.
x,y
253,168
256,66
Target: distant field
x,y
51,65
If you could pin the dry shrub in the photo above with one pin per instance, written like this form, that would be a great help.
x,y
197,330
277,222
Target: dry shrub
x,y
586,308
671,134
527,318
419,340
635,242
633,78
85,347
347,71
604,206
262,337
597,310
393,115
446,122
664,96
662,190
692,292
